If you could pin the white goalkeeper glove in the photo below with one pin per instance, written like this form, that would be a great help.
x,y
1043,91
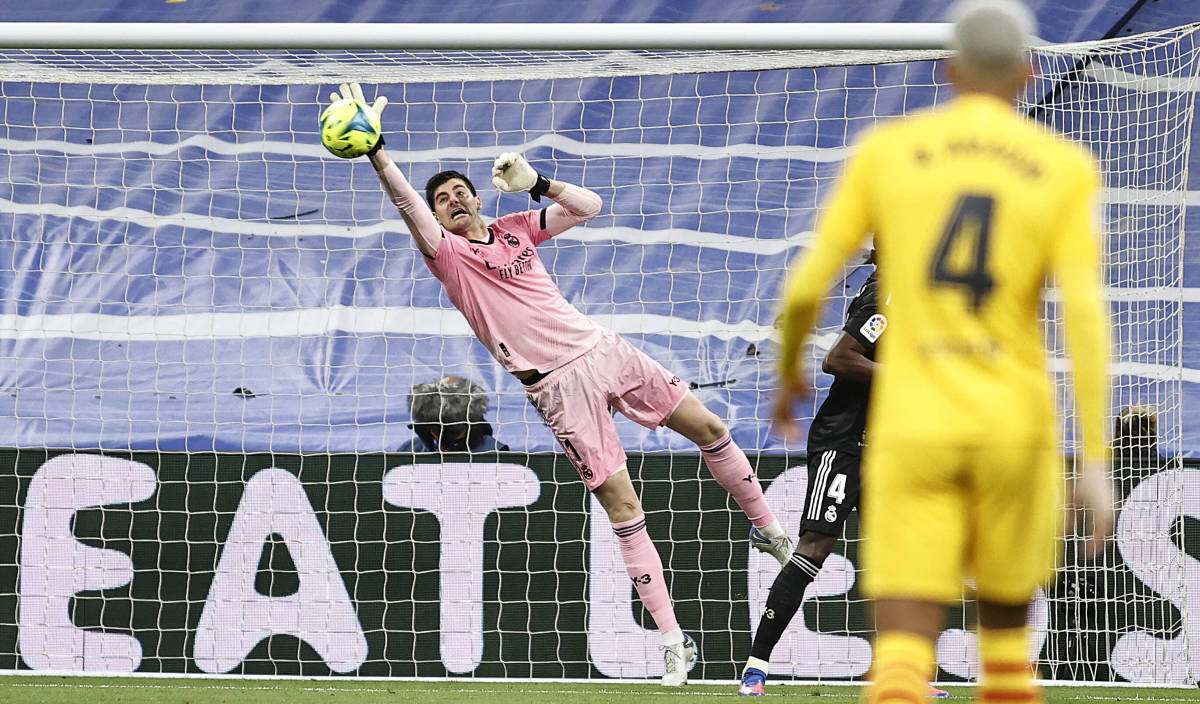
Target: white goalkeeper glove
x,y
512,173
353,90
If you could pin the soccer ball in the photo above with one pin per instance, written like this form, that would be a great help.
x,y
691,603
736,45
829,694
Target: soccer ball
x,y
349,128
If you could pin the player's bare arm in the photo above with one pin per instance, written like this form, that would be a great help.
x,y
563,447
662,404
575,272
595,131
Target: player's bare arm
x,y
1078,274
793,388
848,358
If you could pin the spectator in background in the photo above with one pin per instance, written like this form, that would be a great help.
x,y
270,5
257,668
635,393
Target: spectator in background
x,y
1135,448
1091,597
1135,436
447,416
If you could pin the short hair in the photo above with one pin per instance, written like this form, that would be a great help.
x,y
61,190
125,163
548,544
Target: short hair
x,y
448,400
1136,422
442,177
992,37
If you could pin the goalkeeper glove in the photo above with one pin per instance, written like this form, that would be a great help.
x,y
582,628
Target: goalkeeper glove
x,y
353,90
512,173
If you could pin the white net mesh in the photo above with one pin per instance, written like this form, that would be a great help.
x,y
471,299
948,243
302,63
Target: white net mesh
x,y
1126,611
188,272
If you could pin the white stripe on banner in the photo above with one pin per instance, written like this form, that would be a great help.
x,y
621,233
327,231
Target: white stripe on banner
x,y
552,141
631,235
1150,197
1162,294
1133,81
208,223
556,142
212,326
421,322
689,238
430,322
403,320
1157,372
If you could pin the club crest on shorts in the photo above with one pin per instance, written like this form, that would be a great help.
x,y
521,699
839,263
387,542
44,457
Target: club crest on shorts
x,y
874,327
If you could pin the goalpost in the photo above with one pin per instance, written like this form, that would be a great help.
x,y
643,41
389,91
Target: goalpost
x,y
212,328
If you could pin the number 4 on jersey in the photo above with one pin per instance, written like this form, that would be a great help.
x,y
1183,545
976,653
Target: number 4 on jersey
x,y
837,488
971,219
837,492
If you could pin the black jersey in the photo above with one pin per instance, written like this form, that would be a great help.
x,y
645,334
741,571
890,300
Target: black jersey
x,y
842,418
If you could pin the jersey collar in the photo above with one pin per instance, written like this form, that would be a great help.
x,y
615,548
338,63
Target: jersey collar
x,y
490,238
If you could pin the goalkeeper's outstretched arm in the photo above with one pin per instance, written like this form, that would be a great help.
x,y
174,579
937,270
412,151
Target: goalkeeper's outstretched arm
x,y
426,231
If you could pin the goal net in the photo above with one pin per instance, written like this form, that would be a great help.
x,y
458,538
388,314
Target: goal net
x,y
212,328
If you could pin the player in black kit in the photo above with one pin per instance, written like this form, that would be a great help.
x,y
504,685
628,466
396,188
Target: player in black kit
x,y
835,444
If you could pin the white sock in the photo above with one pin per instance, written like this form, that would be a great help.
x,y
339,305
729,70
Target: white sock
x,y
761,665
672,637
773,530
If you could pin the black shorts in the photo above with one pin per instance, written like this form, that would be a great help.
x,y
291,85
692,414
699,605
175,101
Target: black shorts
x,y
833,491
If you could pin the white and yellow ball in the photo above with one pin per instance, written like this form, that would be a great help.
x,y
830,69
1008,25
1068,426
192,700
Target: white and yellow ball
x,y
349,128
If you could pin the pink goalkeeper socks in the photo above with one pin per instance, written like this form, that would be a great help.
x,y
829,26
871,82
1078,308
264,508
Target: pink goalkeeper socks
x,y
729,466
645,569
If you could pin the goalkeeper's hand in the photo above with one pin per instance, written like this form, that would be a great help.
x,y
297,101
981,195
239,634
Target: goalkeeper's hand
x,y
353,90
512,173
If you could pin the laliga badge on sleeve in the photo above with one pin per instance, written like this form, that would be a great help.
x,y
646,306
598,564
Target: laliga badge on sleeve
x,y
874,327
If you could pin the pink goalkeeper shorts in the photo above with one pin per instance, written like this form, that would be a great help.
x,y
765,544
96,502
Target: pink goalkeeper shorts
x,y
574,400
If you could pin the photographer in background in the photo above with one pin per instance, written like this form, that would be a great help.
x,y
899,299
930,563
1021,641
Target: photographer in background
x,y
447,416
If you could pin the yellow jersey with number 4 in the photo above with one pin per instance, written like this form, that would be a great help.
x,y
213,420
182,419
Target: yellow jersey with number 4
x,y
973,207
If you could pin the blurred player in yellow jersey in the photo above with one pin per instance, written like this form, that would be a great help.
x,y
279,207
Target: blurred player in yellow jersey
x,y
974,207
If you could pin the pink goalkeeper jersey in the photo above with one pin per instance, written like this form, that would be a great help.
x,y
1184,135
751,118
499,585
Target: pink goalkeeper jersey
x,y
501,285
508,297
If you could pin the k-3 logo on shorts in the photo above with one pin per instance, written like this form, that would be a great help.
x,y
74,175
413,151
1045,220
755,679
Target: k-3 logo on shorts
x,y
874,327
644,579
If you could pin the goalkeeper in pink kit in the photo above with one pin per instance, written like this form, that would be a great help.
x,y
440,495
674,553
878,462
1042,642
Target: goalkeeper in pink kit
x,y
573,370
